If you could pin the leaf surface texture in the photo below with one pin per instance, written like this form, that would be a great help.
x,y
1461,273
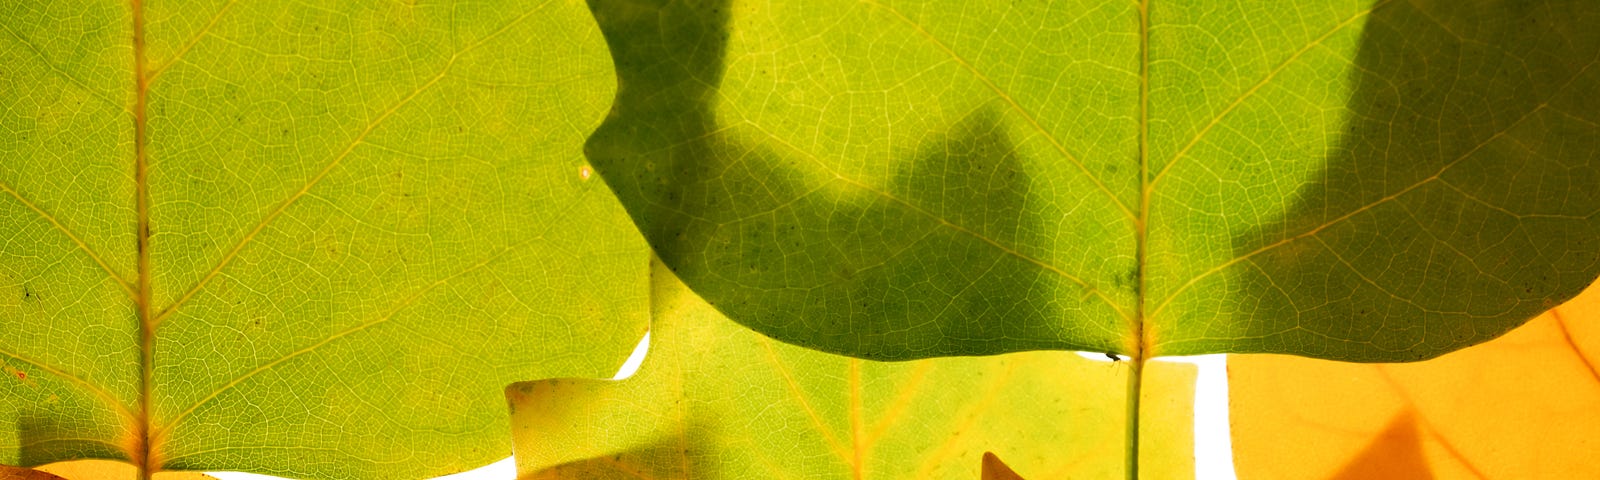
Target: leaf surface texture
x,y
1380,180
301,239
1525,405
715,400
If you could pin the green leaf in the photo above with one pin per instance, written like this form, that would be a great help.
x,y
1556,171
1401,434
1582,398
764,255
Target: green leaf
x,y
1362,180
715,400
308,239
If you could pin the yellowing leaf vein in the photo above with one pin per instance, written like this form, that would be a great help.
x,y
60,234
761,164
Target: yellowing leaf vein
x,y
360,138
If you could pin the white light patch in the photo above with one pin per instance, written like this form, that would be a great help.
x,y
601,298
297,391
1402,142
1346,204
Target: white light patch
x,y
1213,441
1102,357
634,359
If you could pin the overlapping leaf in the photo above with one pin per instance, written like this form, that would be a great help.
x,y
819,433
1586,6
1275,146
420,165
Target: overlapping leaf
x,y
17,473
1362,180
1525,405
363,221
715,400
98,470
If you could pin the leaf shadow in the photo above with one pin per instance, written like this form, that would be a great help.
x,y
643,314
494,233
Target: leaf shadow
x,y
45,436
995,469
1395,453
660,460
34,433
926,260
1459,202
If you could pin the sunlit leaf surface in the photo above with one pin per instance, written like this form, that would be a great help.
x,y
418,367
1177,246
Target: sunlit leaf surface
x,y
303,238
714,400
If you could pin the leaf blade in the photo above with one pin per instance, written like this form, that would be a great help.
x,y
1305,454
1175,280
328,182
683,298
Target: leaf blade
x,y
358,216
714,400
1521,405
1354,163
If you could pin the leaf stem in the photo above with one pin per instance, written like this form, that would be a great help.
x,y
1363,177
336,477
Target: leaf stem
x,y
1135,381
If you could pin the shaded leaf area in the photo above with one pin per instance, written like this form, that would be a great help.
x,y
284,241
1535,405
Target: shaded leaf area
x,y
715,400
793,239
1362,180
1396,452
363,222
995,469
1525,405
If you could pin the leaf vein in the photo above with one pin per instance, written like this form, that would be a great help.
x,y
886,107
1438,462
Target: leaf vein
x,y
406,303
359,140
63,73
799,396
1257,87
154,74
1029,117
1436,175
942,222
111,401
115,278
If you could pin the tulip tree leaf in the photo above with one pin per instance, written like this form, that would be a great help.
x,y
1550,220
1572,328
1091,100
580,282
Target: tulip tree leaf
x,y
309,239
714,400
1525,405
1365,180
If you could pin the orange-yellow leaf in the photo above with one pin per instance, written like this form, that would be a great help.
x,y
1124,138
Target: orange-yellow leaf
x,y
19,473
95,470
1526,405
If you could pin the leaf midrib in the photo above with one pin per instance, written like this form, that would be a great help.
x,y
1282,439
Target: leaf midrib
x,y
1148,183
141,453
145,449
1029,117
1138,218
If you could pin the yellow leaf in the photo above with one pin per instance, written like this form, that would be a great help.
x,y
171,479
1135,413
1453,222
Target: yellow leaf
x,y
1526,405
109,470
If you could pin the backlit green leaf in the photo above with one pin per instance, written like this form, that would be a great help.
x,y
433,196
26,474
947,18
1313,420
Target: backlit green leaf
x,y
1350,179
363,220
714,400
